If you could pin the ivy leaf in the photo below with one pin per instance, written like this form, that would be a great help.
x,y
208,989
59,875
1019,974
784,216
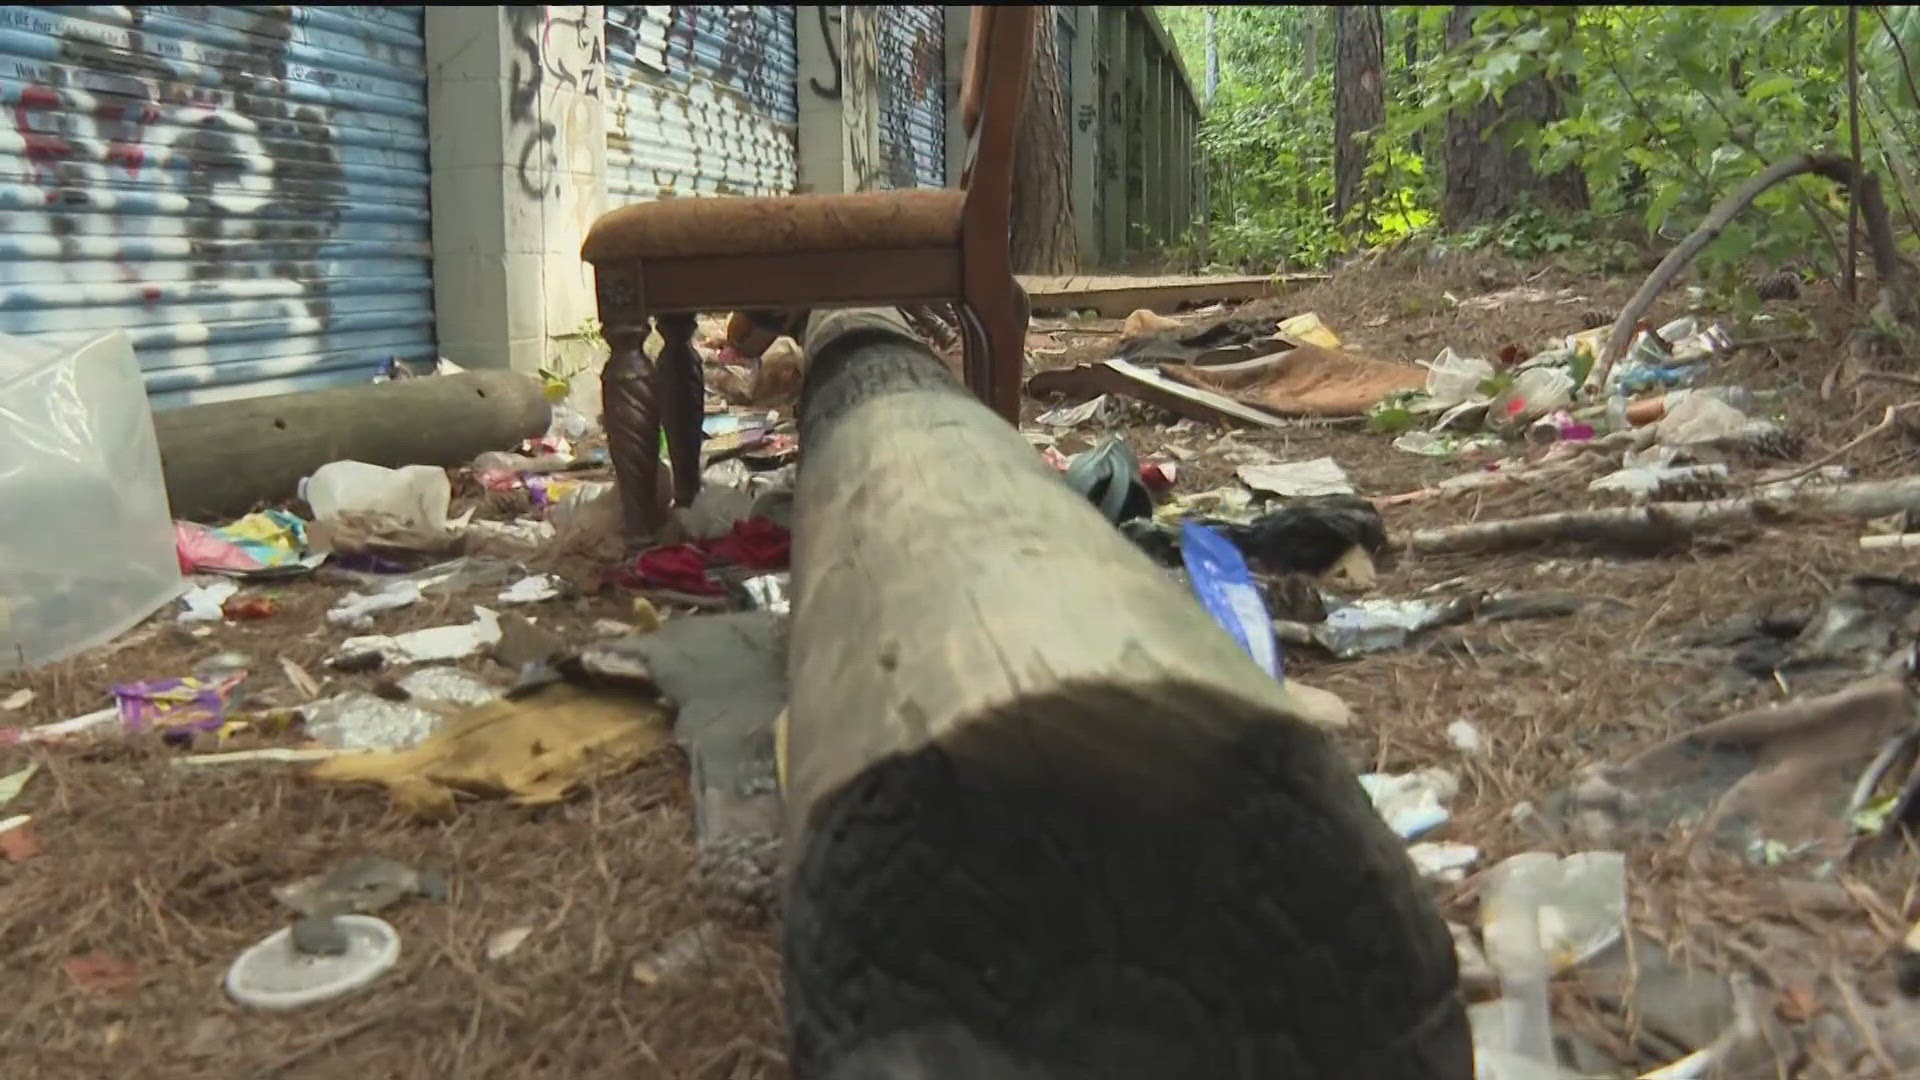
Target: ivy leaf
x,y
1770,87
1663,203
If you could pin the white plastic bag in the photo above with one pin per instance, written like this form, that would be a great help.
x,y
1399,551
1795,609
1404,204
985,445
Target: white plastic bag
x,y
1534,393
417,496
86,543
1453,379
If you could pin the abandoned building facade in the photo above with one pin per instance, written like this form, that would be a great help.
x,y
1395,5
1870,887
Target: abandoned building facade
x,y
285,198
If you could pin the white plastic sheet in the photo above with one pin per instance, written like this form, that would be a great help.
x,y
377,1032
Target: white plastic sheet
x,y
86,542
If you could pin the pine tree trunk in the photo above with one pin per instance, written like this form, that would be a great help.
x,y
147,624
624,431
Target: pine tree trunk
x,y
1044,238
1359,108
1486,179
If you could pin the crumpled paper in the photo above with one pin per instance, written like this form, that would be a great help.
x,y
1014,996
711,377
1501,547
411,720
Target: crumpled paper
x,y
531,749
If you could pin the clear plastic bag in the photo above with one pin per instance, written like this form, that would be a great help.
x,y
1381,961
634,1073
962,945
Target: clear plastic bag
x,y
86,544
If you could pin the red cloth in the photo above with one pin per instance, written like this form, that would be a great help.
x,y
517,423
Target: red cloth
x,y
680,567
756,544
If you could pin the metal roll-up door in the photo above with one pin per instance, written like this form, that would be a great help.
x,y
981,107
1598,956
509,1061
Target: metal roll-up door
x,y
701,100
913,105
243,189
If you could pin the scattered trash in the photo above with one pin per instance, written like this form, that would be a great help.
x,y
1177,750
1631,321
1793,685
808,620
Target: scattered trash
x,y
1443,861
1654,475
1226,590
267,544
1540,915
1109,477
531,590
1092,410
428,645
1453,379
1307,535
1535,393
177,706
1429,444
276,755
1465,737
1307,329
1321,476
685,950
1381,625
1699,419
360,886
18,840
204,603
1144,384
1772,784
1212,341
250,608
765,592
19,699
14,782
357,610
413,498
362,721
275,975
503,944
1519,294
1575,907
533,749
755,544
1412,804
1559,426
102,973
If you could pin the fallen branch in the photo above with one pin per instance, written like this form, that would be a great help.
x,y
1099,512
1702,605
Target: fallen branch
x,y
1656,524
1873,208
1886,422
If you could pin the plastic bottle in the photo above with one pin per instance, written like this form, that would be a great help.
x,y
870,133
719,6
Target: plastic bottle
x,y
418,494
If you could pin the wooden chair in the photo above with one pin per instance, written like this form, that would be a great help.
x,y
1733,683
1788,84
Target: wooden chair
x,y
669,259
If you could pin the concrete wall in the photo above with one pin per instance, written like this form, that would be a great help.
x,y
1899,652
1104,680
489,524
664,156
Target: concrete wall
x,y
518,156
518,149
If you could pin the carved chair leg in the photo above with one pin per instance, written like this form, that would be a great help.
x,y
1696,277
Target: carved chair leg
x,y
631,412
683,397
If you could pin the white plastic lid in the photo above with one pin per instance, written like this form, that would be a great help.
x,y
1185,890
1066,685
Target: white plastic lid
x,y
275,975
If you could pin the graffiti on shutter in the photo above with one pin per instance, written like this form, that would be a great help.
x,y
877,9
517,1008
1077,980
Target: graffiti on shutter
x,y
243,190
913,113
700,100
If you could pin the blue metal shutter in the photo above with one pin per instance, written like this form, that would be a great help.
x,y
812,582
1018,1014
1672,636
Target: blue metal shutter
x,y
701,100
913,102
244,190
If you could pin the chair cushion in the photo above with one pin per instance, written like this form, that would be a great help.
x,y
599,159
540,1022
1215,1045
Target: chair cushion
x,y
728,225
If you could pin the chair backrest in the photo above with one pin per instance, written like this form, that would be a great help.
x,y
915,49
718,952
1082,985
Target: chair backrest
x,y
1000,60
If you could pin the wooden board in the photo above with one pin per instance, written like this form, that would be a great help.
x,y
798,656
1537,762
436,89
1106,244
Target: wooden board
x,y
1117,297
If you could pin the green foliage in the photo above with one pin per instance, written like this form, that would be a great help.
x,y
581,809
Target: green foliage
x,y
1666,111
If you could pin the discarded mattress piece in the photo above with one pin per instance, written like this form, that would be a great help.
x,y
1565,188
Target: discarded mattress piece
x,y
1308,380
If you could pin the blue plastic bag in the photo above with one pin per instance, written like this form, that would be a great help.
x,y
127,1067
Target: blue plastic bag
x,y
1226,589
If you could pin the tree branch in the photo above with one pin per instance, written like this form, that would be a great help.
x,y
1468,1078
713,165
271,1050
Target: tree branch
x,y
1838,169
1853,134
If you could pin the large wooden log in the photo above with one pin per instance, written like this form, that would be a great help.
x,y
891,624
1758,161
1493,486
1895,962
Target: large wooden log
x,y
1047,820
227,457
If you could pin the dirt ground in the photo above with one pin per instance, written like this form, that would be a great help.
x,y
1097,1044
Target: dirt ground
x,y
160,875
